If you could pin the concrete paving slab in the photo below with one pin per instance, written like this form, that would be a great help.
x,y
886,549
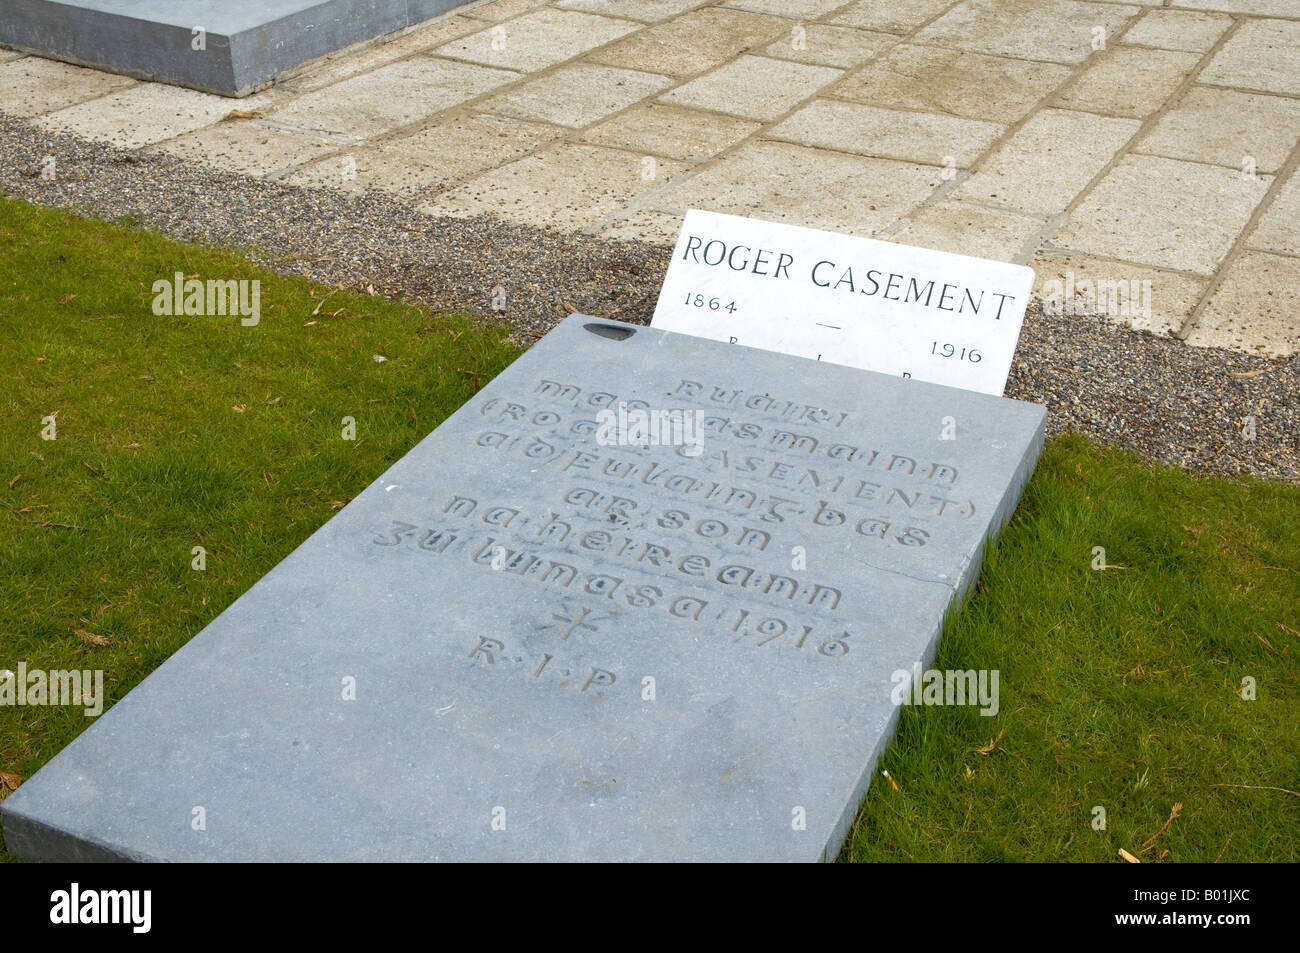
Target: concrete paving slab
x,y
496,11
565,185
1178,30
796,9
447,151
647,11
1227,128
822,44
929,138
145,113
366,106
1164,212
956,82
1048,161
383,166
1255,308
537,40
900,16
1279,227
577,95
348,63
1262,54
1060,31
1137,296
693,43
754,87
966,229
1129,81
250,146
33,85
665,130
1274,8
657,228
783,182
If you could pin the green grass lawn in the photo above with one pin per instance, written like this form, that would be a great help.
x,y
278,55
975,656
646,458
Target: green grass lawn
x,y
1120,688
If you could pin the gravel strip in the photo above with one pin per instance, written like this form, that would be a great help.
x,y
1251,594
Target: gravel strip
x,y
1174,403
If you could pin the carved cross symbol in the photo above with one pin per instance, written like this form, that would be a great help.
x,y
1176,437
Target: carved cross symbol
x,y
573,624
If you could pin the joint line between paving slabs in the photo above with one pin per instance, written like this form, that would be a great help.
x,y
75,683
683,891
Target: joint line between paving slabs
x,y
1146,125
476,105
642,202
1242,243
945,189
470,105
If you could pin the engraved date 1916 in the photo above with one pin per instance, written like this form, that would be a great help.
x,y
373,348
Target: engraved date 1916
x,y
951,350
772,629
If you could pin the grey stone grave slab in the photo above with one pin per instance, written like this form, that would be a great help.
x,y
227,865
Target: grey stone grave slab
x,y
247,42
612,652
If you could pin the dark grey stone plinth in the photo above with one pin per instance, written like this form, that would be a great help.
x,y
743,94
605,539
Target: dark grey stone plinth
x,y
247,42
563,647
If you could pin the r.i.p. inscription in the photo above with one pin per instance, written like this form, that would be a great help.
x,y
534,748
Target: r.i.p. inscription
x,y
640,599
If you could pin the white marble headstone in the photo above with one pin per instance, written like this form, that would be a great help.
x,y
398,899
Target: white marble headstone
x,y
879,306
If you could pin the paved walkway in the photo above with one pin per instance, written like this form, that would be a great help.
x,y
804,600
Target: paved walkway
x,y
1141,156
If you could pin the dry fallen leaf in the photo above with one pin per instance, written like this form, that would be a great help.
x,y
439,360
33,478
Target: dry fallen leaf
x,y
991,746
9,781
243,114
90,638
1129,857
239,408
316,310
66,298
